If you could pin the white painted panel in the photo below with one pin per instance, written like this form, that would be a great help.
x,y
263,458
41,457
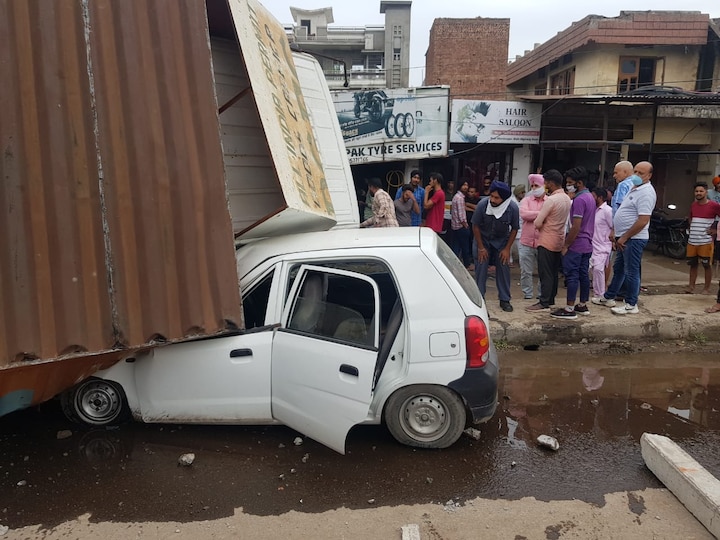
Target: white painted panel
x,y
264,180
329,139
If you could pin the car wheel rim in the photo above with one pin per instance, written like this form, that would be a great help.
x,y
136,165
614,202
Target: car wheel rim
x,y
99,403
424,417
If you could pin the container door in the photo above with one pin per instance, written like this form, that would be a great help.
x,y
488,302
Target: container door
x,y
324,354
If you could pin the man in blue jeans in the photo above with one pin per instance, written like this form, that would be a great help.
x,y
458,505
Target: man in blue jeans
x,y
631,223
577,248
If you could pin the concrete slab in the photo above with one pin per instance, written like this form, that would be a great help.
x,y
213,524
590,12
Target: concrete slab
x,y
696,488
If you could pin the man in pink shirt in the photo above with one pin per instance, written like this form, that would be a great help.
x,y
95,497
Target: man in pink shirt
x,y
529,209
551,222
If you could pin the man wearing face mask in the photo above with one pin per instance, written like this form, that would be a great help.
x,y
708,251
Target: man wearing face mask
x,y
550,223
577,248
495,224
529,236
631,224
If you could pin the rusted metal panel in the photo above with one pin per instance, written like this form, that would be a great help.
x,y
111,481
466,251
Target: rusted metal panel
x,y
32,383
115,226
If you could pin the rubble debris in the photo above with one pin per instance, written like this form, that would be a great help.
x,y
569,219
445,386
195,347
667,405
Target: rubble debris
x,y
298,441
63,434
410,532
546,441
186,460
473,433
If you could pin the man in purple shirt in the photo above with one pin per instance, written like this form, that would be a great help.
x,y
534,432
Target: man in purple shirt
x,y
577,248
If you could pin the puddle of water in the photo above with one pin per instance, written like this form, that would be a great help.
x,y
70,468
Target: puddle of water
x,y
597,408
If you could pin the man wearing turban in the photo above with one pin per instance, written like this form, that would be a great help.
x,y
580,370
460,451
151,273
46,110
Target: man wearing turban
x,y
495,225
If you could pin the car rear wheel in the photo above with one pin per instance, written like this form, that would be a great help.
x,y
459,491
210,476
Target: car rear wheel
x,y
95,402
425,416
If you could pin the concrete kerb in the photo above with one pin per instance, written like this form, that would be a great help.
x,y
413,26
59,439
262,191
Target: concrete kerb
x,y
666,313
666,317
689,481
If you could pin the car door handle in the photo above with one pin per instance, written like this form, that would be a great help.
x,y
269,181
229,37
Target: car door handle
x,y
237,353
350,370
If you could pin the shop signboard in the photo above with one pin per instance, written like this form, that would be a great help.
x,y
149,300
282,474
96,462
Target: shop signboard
x,y
393,124
495,122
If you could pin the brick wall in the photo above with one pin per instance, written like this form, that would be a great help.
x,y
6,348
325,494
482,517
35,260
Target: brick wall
x,y
469,55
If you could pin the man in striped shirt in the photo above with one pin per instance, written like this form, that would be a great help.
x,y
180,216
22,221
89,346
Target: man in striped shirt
x,y
703,213
383,207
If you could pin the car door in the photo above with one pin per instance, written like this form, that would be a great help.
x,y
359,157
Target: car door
x,y
324,354
224,379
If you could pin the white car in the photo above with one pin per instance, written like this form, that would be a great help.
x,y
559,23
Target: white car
x,y
343,327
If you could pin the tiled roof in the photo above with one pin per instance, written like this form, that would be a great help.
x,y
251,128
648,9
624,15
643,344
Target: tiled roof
x,y
630,28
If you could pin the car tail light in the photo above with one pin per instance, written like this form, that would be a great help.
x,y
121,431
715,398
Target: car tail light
x,y
477,342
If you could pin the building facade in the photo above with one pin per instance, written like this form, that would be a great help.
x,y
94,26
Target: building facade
x,y
372,56
469,55
643,85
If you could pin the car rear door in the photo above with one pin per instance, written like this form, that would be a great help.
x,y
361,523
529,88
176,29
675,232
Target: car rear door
x,y
324,354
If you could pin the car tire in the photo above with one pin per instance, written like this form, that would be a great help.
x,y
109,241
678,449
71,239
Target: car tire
x,y
425,416
409,125
390,127
95,402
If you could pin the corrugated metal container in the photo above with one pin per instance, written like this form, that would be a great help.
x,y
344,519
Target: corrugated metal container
x,y
115,225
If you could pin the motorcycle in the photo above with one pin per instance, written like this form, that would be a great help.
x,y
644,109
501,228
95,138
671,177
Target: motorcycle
x,y
374,102
668,236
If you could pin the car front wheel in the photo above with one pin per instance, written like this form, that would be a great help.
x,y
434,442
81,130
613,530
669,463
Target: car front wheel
x,y
95,402
425,416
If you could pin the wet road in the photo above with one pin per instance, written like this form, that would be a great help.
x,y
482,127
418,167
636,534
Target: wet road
x,y
596,405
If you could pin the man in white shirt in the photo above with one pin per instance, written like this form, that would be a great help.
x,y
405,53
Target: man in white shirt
x,y
631,222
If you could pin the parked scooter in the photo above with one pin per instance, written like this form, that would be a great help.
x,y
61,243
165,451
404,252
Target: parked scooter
x,y
668,236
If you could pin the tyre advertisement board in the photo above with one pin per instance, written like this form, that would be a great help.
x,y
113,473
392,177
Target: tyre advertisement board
x,y
393,124
499,122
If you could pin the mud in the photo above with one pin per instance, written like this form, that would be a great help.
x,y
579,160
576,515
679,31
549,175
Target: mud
x,y
595,403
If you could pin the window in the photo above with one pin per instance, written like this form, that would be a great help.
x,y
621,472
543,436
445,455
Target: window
x,y
374,269
563,83
635,72
326,307
255,303
396,57
397,30
541,89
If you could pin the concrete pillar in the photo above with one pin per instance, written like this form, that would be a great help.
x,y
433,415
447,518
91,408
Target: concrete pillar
x,y
521,165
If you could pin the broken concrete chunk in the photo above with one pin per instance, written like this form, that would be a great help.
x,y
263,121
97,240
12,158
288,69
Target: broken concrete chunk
x,y
63,434
473,433
298,441
186,460
546,441
410,532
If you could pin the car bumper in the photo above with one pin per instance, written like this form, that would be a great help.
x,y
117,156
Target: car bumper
x,y
479,389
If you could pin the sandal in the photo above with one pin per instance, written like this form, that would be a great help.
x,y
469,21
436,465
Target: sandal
x,y
713,309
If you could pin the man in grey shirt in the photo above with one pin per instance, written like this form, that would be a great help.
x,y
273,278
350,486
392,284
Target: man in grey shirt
x,y
406,205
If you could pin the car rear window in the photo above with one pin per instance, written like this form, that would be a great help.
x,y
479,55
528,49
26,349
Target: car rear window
x,y
463,277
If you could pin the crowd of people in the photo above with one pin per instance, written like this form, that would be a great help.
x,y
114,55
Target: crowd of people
x,y
560,225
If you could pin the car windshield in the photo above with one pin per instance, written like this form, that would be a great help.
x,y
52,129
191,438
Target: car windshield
x,y
461,274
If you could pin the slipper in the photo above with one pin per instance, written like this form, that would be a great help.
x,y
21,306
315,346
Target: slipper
x,y
713,309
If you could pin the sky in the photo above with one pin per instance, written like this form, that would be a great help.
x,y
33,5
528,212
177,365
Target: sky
x,y
531,21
